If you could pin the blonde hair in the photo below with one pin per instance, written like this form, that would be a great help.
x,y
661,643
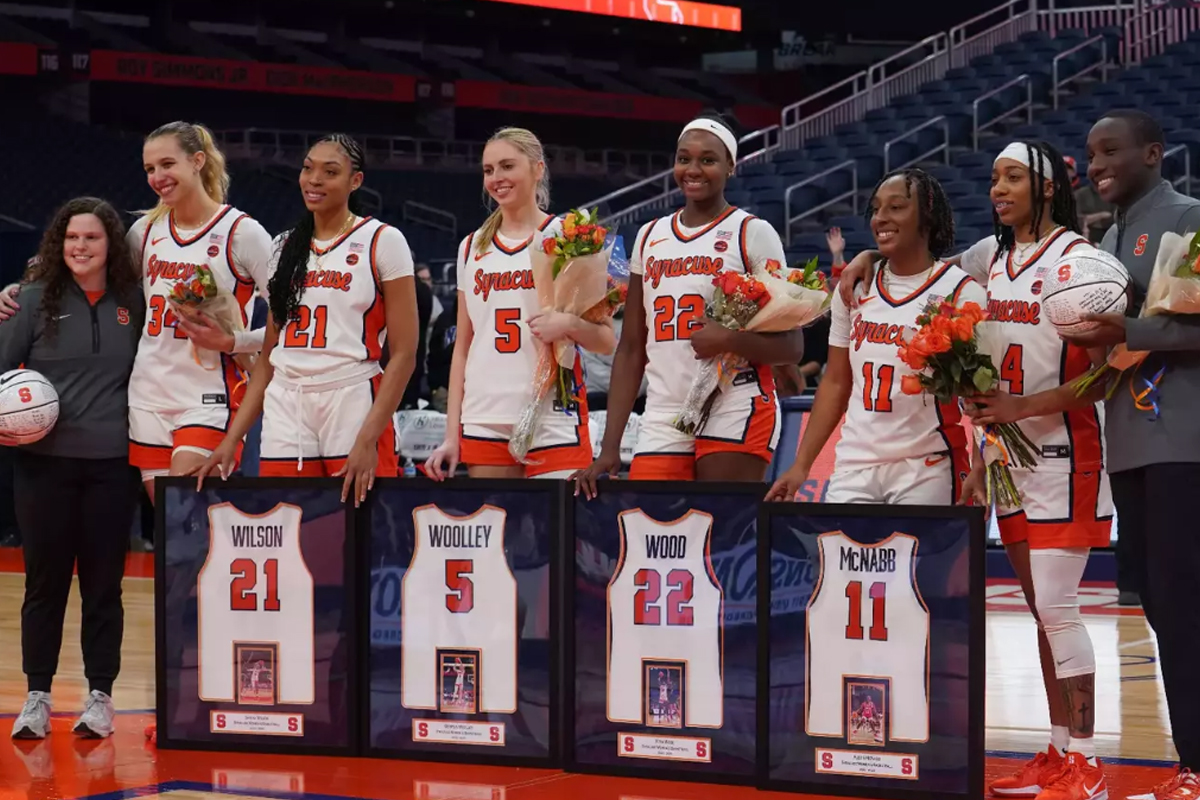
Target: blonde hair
x,y
531,147
195,138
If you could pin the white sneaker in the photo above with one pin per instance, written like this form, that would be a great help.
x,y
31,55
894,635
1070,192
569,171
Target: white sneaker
x,y
34,720
96,722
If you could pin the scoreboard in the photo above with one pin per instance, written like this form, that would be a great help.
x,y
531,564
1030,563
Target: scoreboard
x,y
674,12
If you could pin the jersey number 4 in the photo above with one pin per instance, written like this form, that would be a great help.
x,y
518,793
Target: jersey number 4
x,y
646,610
296,334
854,626
677,317
1012,369
242,595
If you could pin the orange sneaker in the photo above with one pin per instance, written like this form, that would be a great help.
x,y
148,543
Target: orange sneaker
x,y
1079,780
1184,785
1029,779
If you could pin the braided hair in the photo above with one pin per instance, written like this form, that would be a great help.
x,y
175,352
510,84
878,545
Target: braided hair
x,y
1062,204
936,219
286,286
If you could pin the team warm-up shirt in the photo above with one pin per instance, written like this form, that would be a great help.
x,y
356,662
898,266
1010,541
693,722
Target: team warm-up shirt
x,y
866,619
677,266
497,283
341,321
167,374
255,589
884,425
1033,358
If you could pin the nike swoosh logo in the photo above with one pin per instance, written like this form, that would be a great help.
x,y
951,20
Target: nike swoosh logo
x,y
1065,660
154,242
933,461
1091,790
864,300
657,241
480,256
995,275
62,316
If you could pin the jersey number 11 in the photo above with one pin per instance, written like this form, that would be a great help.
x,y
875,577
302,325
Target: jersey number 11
x,y
854,626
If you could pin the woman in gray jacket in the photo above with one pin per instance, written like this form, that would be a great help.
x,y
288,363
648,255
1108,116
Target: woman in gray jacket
x,y
80,317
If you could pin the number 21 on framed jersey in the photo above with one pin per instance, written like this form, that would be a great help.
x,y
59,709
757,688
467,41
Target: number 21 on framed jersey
x,y
665,605
459,593
255,587
866,619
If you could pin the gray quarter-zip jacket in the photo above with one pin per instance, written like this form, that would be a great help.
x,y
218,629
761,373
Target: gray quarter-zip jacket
x,y
1134,438
88,362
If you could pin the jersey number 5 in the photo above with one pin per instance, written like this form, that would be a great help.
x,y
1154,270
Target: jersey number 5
x,y
878,399
854,627
669,327
645,602
242,596
461,598
508,332
296,333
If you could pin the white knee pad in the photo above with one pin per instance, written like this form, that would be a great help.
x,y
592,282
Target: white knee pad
x,y
1056,575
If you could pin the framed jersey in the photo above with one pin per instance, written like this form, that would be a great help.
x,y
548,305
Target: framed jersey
x,y
873,651
461,664
255,621
662,638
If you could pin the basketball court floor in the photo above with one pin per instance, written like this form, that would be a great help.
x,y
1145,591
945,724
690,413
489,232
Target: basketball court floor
x,y
1132,731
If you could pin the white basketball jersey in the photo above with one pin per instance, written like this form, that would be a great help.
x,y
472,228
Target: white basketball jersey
x,y
255,588
665,604
166,374
677,285
1033,357
866,619
459,593
341,321
498,285
884,425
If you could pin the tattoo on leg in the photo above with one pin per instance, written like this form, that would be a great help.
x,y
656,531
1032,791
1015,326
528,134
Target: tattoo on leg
x,y
1079,696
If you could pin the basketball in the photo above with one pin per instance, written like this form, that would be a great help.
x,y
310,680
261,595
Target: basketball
x,y
28,405
1088,282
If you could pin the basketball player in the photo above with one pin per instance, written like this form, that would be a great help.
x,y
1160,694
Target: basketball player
x,y
179,402
74,492
458,679
665,333
895,448
502,330
255,670
339,283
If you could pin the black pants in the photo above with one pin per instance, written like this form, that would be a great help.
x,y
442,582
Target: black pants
x,y
1156,511
73,512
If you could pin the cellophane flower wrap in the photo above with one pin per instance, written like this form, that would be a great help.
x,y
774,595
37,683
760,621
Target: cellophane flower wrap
x,y
952,360
574,272
770,299
1174,288
201,294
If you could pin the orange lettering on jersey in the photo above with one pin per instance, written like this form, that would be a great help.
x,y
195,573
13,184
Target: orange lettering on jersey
x,y
658,268
328,279
512,280
876,333
1019,312
169,270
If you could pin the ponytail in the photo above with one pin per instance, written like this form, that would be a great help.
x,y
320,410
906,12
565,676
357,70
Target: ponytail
x,y
195,138
531,147
286,286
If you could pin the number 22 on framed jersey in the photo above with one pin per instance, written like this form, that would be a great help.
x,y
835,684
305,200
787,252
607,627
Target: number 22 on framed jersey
x,y
866,619
255,587
665,604
459,593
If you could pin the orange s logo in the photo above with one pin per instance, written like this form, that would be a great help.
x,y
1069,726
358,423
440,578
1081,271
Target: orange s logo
x,y
1064,273
123,316
1140,247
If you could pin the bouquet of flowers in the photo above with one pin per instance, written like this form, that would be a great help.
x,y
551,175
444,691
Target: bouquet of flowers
x,y
574,272
949,363
202,295
764,301
1174,288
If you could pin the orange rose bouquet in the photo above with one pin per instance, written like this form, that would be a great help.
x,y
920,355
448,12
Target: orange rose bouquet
x,y
949,363
202,295
574,272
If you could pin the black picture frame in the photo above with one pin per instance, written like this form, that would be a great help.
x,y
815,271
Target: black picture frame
x,y
351,571
976,636
754,492
556,493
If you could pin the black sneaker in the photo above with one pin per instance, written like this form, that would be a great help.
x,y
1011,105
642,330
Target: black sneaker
x,y
1129,599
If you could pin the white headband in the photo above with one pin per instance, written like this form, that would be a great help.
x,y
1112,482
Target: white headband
x,y
716,129
1019,152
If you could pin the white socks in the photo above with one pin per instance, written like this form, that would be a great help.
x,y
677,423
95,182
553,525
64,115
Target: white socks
x,y
1060,738
1085,747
